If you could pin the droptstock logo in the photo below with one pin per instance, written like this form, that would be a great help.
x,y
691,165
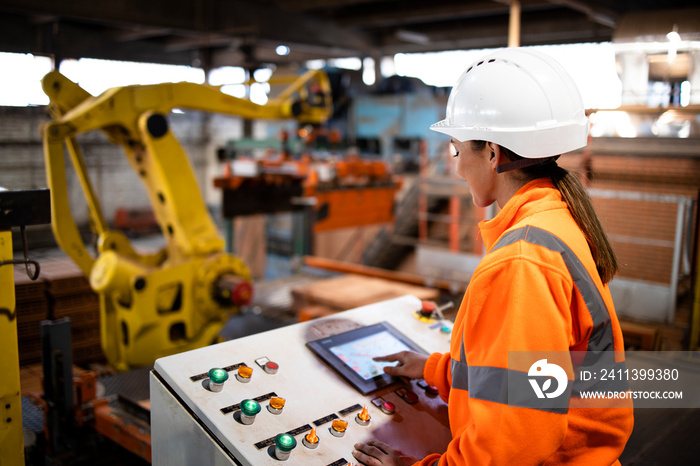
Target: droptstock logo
x,y
541,369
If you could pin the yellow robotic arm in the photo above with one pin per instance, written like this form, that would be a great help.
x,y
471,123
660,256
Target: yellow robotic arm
x,y
179,298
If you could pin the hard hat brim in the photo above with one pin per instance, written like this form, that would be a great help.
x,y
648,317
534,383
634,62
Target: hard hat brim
x,y
533,143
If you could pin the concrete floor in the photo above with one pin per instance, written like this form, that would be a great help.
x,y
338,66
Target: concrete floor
x,y
664,437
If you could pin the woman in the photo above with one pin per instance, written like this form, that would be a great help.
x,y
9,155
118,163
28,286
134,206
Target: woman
x,y
542,286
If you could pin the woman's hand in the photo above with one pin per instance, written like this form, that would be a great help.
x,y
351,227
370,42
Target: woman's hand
x,y
410,364
376,453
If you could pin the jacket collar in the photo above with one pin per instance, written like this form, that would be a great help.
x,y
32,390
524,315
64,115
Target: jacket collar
x,y
536,196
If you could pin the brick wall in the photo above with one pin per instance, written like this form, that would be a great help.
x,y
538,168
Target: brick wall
x,y
662,167
114,182
642,231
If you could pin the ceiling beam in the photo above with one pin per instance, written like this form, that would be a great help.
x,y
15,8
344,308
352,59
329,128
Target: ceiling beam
x,y
388,15
598,14
536,29
181,44
232,32
140,33
218,16
308,5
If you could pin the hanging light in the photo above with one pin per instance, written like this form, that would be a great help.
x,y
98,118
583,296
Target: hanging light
x,y
673,38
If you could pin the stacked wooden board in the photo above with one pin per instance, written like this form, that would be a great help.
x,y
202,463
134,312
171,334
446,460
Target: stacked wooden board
x,y
32,306
60,291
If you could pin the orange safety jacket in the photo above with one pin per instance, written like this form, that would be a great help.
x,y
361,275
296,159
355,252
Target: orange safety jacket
x,y
537,289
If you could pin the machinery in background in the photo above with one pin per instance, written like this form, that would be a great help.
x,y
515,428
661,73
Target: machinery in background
x,y
177,299
69,400
335,190
351,191
17,208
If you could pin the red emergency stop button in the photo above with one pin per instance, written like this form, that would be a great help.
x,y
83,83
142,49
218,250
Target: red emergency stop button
x,y
427,308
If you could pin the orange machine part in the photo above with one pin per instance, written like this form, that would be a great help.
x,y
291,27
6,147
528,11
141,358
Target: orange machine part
x,y
361,194
353,165
356,207
127,432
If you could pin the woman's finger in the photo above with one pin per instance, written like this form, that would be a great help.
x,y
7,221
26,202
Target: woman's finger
x,y
373,448
387,358
386,449
368,455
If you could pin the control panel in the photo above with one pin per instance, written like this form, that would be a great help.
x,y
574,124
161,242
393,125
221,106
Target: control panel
x,y
268,398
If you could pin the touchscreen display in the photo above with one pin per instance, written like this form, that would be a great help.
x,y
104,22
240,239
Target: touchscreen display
x,y
358,354
350,354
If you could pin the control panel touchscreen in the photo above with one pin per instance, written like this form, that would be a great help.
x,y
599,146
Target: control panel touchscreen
x,y
351,354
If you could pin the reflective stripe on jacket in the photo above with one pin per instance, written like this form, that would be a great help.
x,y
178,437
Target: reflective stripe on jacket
x,y
537,289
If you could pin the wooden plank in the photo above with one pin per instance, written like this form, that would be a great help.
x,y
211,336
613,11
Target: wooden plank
x,y
351,291
249,240
641,337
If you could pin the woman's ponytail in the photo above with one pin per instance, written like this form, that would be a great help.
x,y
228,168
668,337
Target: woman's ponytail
x,y
580,205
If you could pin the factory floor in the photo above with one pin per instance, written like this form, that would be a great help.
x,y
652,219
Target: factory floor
x,y
660,436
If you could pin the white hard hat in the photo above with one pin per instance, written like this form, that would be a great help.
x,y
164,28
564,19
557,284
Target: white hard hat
x,y
520,99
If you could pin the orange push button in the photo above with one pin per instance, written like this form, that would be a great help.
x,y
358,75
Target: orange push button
x,y
310,440
276,405
363,418
338,427
244,374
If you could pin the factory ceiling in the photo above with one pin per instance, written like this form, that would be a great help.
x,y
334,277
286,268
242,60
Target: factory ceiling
x,y
210,33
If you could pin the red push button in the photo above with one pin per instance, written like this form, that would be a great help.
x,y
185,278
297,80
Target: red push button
x,y
388,407
271,367
411,398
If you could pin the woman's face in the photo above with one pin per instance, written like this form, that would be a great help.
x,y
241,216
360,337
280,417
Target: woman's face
x,y
476,168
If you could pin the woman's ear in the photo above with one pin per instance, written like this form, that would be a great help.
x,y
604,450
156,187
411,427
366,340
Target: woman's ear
x,y
496,156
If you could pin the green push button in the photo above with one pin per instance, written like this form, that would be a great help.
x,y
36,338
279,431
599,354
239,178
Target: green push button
x,y
284,444
217,377
250,407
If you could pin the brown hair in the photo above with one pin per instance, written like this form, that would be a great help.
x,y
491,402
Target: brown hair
x,y
580,205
